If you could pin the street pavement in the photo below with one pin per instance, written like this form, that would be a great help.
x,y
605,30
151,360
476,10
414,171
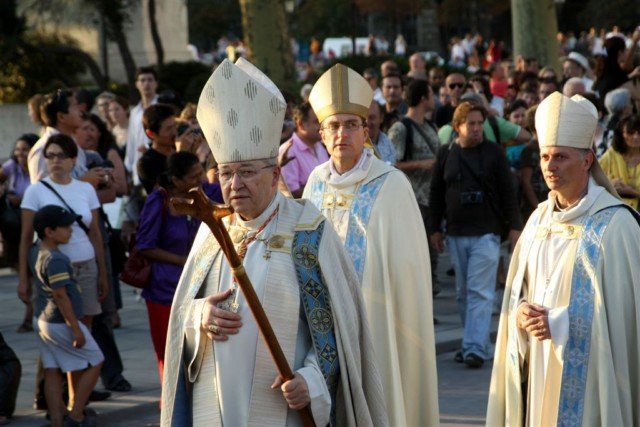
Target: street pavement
x,y
463,391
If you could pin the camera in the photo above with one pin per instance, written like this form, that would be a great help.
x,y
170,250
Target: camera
x,y
471,197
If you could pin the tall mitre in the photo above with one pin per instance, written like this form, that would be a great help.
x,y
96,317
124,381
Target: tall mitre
x,y
340,90
570,122
241,112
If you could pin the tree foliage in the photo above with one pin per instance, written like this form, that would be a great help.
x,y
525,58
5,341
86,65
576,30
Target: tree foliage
x,y
325,18
211,19
32,62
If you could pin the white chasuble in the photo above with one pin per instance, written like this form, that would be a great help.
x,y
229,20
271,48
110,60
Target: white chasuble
x,y
241,369
374,211
587,373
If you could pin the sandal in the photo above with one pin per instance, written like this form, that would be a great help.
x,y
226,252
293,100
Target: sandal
x,y
121,385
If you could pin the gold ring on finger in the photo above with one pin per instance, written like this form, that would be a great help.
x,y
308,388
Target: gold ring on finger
x,y
213,329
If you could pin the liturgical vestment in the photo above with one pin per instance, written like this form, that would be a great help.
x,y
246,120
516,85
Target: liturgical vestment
x,y
228,383
582,265
374,210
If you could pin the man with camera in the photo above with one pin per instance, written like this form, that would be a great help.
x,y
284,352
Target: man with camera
x,y
471,189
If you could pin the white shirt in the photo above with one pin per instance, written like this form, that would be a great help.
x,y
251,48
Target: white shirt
x,y
82,198
136,138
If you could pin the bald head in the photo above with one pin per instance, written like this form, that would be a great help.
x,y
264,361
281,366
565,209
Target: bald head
x,y
389,67
417,62
455,86
574,86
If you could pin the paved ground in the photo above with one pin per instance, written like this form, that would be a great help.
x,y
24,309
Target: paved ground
x,y
463,392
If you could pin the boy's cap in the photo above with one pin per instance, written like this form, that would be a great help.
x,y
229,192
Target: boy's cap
x,y
52,216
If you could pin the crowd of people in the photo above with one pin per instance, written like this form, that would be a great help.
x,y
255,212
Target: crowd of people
x,y
467,156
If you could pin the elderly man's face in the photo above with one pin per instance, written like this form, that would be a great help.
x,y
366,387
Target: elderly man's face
x,y
248,187
344,136
565,169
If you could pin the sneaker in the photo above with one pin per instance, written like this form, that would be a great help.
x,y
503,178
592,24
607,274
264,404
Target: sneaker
x,y
458,358
473,361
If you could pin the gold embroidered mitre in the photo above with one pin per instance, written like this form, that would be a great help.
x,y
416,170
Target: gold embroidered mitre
x,y
241,113
340,90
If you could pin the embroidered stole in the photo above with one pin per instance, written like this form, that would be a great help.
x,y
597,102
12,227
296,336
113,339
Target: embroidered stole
x,y
577,349
282,300
316,302
359,215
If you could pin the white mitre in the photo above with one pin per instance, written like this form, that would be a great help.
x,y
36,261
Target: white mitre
x,y
241,112
570,122
340,90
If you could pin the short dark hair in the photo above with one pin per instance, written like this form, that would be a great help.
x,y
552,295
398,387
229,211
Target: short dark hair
x,y
415,91
52,104
486,88
629,123
391,75
463,110
513,106
65,142
301,111
83,96
147,70
154,115
178,165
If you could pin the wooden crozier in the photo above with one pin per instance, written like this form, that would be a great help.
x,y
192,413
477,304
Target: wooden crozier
x,y
201,207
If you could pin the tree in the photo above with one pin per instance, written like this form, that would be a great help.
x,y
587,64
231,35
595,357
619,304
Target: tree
x,y
155,34
266,37
534,28
31,62
116,14
211,19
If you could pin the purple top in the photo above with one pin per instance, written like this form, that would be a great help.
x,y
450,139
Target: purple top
x,y
159,229
17,178
305,159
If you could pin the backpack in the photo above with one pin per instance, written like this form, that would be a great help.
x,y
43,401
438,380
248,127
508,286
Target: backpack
x,y
408,142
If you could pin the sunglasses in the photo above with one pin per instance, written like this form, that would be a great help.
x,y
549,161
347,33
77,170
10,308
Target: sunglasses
x,y
60,156
456,85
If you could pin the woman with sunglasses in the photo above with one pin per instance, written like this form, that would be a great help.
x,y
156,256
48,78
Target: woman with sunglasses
x,y
85,247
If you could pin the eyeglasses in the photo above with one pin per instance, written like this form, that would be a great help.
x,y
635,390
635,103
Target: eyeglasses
x,y
60,156
632,132
244,174
347,127
456,85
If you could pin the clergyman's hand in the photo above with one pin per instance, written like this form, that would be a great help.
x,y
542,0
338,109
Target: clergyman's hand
x,y
216,322
295,391
534,319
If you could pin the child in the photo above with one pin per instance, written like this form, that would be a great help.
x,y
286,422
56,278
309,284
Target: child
x,y
65,343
